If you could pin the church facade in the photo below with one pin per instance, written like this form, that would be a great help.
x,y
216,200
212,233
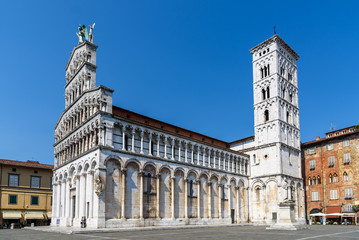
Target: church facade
x,y
117,168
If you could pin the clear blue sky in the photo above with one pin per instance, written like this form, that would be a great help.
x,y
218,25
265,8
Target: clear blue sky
x,y
183,62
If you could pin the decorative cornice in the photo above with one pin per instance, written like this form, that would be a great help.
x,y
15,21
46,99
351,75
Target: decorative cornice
x,y
172,161
79,98
75,48
185,138
79,69
274,121
279,40
73,131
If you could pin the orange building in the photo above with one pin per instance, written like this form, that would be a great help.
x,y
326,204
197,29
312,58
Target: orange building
x,y
331,173
25,193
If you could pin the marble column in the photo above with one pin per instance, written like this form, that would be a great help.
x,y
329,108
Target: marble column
x,y
123,192
185,154
133,141
219,200
123,139
77,196
165,141
63,198
204,158
249,206
82,204
219,162
209,199
215,164
58,207
199,198
141,195
158,195
67,201
150,144
173,179
238,208
186,198
142,143
158,146
198,150
179,151
90,193
54,200
229,199
192,150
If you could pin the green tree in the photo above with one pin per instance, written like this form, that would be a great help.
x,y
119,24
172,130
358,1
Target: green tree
x,y
355,208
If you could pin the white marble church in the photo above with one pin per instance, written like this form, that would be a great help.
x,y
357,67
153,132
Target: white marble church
x,y
118,168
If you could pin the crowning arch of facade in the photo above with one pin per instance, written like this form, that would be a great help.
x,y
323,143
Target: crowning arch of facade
x,y
118,168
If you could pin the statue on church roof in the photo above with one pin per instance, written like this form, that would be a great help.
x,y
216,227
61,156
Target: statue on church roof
x,y
83,33
91,32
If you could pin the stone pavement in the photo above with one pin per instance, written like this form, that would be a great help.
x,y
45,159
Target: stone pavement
x,y
73,230
316,232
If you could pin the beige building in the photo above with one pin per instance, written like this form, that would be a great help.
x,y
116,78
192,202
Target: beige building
x,y
25,193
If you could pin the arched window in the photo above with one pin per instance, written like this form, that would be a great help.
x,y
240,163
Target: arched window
x,y
345,177
126,143
148,183
254,159
330,178
314,180
263,94
191,188
268,94
283,92
223,192
258,194
266,115
262,73
309,181
319,180
268,72
152,147
335,177
288,117
265,71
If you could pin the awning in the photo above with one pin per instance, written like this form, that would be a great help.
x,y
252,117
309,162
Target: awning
x,y
49,214
317,214
39,215
349,214
11,215
334,212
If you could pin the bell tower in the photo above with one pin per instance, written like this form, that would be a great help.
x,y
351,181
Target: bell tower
x,y
276,112
276,184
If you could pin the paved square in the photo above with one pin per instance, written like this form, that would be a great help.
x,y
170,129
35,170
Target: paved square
x,y
240,232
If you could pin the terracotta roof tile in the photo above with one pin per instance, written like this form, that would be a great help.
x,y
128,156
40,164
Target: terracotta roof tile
x,y
28,163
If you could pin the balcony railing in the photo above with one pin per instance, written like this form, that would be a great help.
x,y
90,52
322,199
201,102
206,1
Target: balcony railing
x,y
347,210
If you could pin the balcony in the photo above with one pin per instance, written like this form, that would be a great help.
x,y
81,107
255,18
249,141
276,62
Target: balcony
x,y
347,210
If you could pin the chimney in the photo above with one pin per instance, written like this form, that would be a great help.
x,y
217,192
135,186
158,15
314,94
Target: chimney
x,y
317,138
